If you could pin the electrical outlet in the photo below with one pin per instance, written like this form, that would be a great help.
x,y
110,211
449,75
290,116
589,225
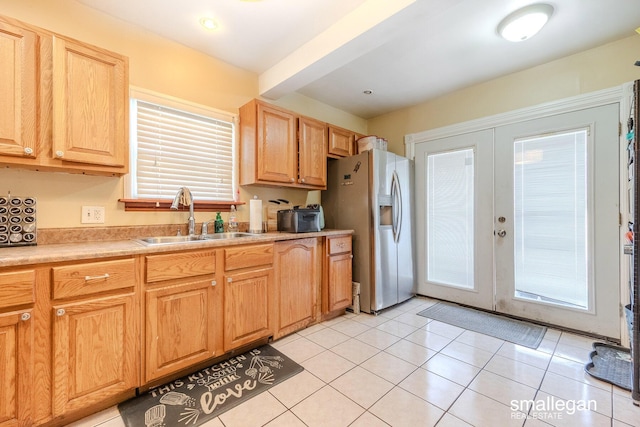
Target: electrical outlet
x,y
92,215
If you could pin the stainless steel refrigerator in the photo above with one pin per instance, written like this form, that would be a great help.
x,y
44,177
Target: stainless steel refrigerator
x,y
372,193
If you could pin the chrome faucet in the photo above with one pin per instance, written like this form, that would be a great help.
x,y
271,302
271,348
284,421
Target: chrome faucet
x,y
185,198
205,226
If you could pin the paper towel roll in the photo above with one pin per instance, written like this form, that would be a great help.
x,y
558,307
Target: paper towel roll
x,y
255,216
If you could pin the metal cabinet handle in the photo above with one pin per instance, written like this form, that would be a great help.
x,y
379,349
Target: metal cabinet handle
x,y
229,280
103,276
60,312
59,153
213,283
502,233
25,316
28,151
292,180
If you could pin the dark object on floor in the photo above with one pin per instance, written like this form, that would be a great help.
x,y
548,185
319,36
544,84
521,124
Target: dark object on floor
x,y
194,399
610,363
515,331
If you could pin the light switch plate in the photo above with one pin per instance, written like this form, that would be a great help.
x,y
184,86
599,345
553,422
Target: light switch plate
x,y
92,215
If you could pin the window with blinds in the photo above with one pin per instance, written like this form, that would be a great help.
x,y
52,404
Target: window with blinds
x,y
173,148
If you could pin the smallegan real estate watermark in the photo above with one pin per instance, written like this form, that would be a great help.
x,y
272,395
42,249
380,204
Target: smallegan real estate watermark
x,y
549,408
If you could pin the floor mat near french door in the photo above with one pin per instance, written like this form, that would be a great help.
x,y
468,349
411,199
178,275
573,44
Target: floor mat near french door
x,y
203,395
512,330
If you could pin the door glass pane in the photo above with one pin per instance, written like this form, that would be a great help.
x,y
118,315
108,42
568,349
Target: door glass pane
x,y
450,196
550,218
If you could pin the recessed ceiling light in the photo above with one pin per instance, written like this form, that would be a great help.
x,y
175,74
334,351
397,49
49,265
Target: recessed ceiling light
x,y
209,23
525,23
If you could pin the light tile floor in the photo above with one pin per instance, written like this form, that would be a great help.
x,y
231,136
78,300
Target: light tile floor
x,y
400,369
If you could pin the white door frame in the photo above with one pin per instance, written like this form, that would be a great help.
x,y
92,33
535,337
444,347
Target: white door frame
x,y
621,94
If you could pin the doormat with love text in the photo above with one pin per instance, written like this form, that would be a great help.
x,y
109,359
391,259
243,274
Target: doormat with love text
x,y
203,395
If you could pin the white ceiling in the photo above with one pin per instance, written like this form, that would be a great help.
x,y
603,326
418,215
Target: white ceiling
x,y
405,51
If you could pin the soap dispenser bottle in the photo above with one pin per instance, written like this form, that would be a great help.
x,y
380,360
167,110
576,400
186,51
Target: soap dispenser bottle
x,y
233,219
219,224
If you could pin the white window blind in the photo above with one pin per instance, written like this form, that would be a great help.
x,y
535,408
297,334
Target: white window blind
x,y
551,223
450,218
173,148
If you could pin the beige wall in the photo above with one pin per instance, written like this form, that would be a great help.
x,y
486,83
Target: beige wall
x,y
156,64
164,66
599,68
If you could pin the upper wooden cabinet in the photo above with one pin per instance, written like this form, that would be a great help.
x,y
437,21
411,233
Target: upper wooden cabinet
x,y
312,143
268,146
341,142
278,148
65,103
18,89
90,94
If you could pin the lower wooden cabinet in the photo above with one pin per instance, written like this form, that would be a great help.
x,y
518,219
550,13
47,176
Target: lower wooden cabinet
x,y
180,327
248,294
17,291
16,362
247,306
338,274
80,335
182,311
297,273
95,351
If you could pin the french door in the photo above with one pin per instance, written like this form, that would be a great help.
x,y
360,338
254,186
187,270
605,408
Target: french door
x,y
523,219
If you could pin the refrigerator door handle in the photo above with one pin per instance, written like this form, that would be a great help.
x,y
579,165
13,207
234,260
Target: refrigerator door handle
x,y
396,200
399,209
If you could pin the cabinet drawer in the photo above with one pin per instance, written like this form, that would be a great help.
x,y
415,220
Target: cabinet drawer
x,y
339,245
179,265
248,256
17,288
91,278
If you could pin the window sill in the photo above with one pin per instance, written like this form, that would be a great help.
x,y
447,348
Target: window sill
x,y
159,205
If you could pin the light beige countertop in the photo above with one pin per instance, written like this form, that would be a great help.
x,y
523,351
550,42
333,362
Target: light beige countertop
x,y
59,252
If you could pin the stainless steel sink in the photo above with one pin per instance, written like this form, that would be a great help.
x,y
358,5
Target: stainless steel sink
x,y
164,240
170,239
233,235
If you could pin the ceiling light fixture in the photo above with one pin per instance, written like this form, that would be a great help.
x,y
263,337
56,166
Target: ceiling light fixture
x,y
525,23
209,23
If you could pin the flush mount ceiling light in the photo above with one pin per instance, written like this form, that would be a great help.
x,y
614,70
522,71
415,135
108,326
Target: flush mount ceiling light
x,y
209,23
526,22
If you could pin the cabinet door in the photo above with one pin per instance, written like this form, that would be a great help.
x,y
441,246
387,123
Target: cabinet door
x,y
341,142
277,151
312,154
247,306
340,286
16,362
180,329
18,109
90,104
297,282
95,351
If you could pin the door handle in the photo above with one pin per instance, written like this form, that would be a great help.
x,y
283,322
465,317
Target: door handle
x,y
502,233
